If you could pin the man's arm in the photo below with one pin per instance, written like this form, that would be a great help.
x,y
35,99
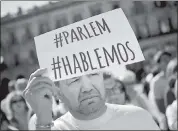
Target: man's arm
x,y
32,124
33,121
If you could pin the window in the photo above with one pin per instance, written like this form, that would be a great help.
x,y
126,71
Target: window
x,y
95,11
61,22
138,7
77,17
33,56
16,60
175,3
143,30
28,34
153,25
43,28
164,26
160,4
115,6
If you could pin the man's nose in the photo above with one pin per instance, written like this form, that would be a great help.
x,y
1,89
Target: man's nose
x,y
86,84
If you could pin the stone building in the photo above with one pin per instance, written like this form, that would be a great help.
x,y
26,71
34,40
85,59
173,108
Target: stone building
x,y
154,23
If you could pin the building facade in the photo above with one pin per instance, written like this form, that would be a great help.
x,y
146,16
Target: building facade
x,y
154,23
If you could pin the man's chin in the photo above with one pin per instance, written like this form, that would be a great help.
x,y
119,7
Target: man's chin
x,y
90,106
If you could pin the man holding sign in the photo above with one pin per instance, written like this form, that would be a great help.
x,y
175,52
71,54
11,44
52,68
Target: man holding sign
x,y
79,77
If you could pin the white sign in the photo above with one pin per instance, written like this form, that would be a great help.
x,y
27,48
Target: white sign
x,y
87,46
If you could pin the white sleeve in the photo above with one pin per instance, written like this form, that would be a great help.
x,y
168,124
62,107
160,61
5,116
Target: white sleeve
x,y
31,123
145,121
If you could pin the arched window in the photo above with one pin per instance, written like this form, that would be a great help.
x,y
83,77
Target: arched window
x,y
16,60
77,17
61,22
43,28
138,7
33,56
95,10
13,38
28,33
115,5
160,4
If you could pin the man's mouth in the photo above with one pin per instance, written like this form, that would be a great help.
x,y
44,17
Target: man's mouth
x,y
88,97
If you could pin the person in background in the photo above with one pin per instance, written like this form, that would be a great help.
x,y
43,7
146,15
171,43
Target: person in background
x,y
170,95
148,78
171,74
11,86
4,88
131,86
138,69
117,94
109,80
159,84
20,77
4,122
158,88
18,109
171,68
171,112
21,84
138,98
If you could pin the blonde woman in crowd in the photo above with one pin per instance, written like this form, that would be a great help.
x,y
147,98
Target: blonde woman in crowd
x,y
18,110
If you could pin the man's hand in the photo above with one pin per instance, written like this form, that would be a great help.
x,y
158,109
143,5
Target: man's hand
x,y
38,94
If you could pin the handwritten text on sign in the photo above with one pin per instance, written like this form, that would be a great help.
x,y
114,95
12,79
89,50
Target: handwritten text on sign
x,y
88,46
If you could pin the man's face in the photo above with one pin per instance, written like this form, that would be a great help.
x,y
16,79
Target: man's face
x,y
84,94
109,83
115,95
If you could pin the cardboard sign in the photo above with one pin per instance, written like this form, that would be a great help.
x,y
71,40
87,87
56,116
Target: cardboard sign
x,y
87,46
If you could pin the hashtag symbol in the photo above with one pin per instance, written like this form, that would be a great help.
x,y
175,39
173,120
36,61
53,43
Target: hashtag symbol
x,y
56,66
58,39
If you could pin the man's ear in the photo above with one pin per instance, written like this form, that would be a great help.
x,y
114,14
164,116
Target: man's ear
x,y
59,85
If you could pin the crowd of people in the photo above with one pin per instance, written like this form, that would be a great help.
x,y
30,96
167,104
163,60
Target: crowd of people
x,y
154,91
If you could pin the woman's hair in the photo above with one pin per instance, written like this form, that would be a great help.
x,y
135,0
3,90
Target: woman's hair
x,y
3,117
11,98
158,56
123,89
155,70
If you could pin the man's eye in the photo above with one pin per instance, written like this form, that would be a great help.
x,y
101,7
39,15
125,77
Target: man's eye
x,y
74,81
94,74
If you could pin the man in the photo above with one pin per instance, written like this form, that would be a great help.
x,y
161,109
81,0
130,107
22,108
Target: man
x,y
85,99
159,84
171,112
